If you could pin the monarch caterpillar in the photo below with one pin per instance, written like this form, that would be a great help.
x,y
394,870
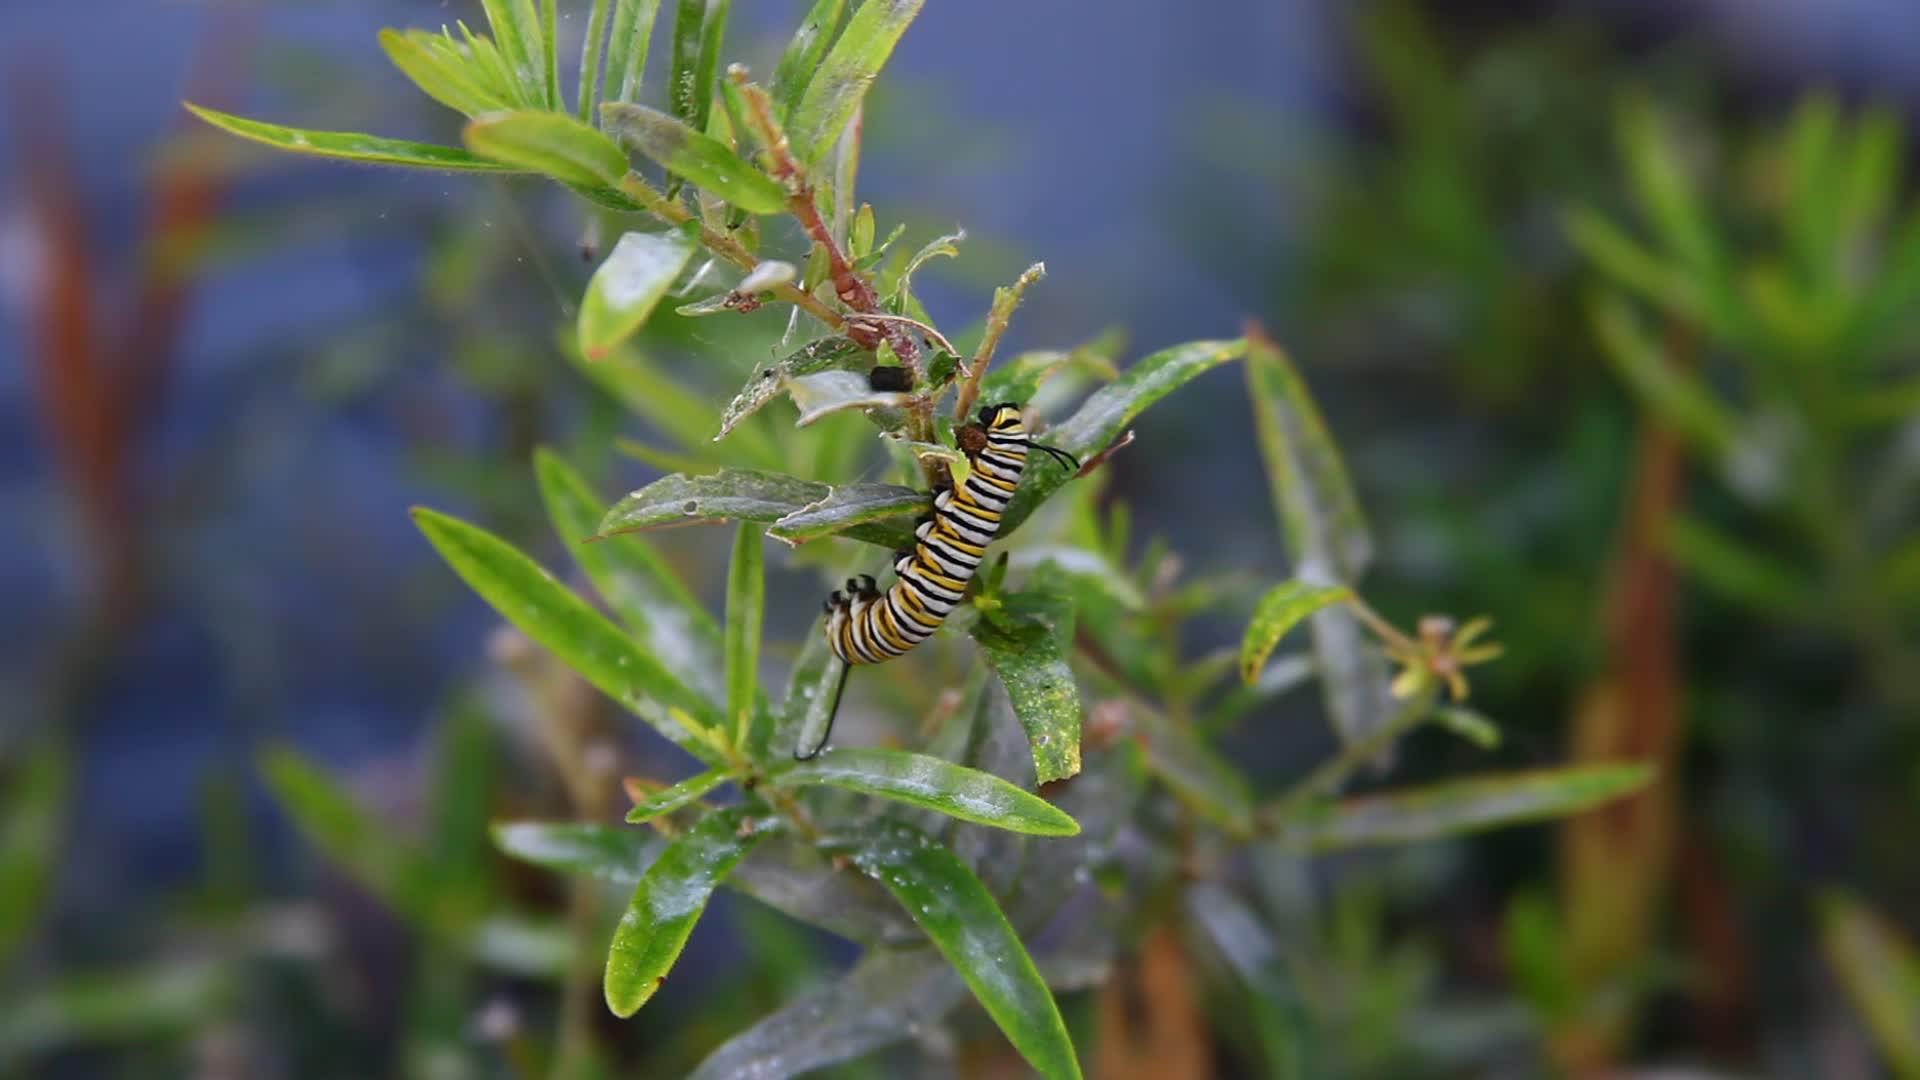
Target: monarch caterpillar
x,y
867,626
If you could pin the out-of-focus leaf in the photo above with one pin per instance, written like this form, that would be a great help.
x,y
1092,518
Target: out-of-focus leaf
x,y
766,383
1019,378
627,287
463,785
958,913
1629,264
1880,970
932,784
1457,807
1278,612
672,407
1275,679
330,819
581,637
732,495
1083,568
698,27
1730,566
638,585
143,1006
440,70
31,807
609,853
352,145
627,48
1326,533
821,395
886,996
547,142
848,505
669,799
1248,948
1674,395
1660,183
1031,662
802,55
524,948
668,901
1194,772
690,155
746,608
1106,414
1469,725
837,86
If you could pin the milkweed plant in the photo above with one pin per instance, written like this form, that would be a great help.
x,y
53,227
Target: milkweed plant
x,y
1066,789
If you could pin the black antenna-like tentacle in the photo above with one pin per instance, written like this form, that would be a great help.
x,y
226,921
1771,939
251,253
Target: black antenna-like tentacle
x,y
838,689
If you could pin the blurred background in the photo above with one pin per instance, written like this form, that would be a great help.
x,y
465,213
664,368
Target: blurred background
x,y
228,373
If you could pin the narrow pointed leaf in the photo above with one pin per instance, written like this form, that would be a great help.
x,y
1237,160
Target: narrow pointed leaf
x,y
669,799
627,48
515,26
766,383
328,816
670,405
841,81
442,75
733,495
1457,807
548,142
965,923
1880,970
931,784
803,53
1742,573
352,145
1196,774
1031,662
746,604
32,805
1679,398
1106,414
668,901
549,55
1278,612
550,614
609,853
705,161
634,581
846,506
1318,511
698,26
627,287
587,101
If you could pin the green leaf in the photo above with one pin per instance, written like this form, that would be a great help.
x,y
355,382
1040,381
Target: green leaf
x,y
1674,395
947,246
1020,377
1031,662
668,901
669,799
840,83
581,637
611,854
441,70
1458,806
1744,574
1105,416
746,604
1662,186
1278,612
848,505
958,913
766,383
1469,725
333,821
733,495
627,49
698,26
1631,265
590,47
1245,943
802,55
548,142
634,581
807,706
32,806
679,412
627,287
709,163
516,27
144,1008
829,392
1880,971
932,784
549,39
351,145
1196,774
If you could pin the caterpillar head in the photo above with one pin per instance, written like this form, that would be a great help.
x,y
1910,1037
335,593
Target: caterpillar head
x,y
1006,416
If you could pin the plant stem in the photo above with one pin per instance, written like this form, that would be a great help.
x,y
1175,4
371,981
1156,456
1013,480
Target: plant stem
x,y
998,316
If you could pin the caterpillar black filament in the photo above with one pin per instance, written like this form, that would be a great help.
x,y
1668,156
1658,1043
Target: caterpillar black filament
x,y
867,626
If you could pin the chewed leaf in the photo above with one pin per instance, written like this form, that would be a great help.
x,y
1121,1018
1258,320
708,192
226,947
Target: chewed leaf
x,y
837,86
627,286
688,154
829,392
1107,413
352,145
1457,807
967,926
932,784
1029,659
669,899
733,495
766,383
1279,611
848,505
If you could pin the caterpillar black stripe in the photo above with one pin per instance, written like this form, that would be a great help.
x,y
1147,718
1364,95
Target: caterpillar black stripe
x,y
867,626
